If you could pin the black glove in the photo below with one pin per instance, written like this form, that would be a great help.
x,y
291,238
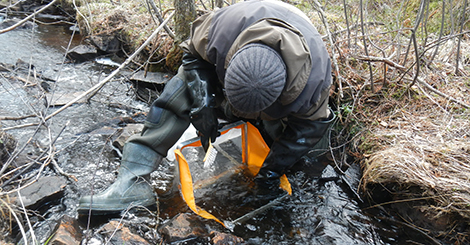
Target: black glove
x,y
299,137
201,78
205,121
267,188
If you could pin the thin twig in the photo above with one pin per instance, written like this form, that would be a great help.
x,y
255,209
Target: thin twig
x,y
440,31
347,22
457,58
27,18
93,189
380,59
18,221
61,171
21,126
431,98
98,86
248,216
421,81
349,28
425,25
333,56
26,165
333,155
452,23
417,61
59,73
16,153
383,54
52,153
159,17
400,27
7,8
16,118
445,39
31,230
400,201
83,16
411,227
430,46
26,104
40,158
365,46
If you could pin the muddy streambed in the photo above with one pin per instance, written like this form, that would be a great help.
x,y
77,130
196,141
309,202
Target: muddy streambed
x,y
320,211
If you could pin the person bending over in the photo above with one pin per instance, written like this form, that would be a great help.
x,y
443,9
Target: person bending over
x,y
257,61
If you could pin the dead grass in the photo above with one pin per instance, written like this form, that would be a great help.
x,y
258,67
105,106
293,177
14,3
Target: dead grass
x,y
412,131
424,148
420,139
129,20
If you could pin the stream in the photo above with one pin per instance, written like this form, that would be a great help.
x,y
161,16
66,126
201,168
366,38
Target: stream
x,y
320,210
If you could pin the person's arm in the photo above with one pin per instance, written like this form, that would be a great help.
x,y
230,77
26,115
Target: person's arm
x,y
187,98
201,79
299,137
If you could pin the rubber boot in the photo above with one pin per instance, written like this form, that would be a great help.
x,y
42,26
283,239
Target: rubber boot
x,y
131,186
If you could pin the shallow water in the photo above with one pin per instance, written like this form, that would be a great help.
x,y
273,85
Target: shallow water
x,y
318,212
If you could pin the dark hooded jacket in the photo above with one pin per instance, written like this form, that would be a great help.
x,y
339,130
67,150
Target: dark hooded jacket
x,y
217,36
302,108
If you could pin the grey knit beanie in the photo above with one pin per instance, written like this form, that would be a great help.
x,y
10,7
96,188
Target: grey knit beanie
x,y
255,78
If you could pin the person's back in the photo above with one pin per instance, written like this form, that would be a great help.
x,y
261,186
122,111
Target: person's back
x,y
217,36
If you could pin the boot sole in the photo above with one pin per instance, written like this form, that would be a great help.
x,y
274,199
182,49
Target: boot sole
x,y
85,209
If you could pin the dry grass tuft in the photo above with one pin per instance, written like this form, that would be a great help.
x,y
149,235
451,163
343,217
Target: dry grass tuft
x,y
412,131
432,154
424,142
130,21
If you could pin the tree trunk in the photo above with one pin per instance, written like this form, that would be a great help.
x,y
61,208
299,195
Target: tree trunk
x,y
219,3
185,14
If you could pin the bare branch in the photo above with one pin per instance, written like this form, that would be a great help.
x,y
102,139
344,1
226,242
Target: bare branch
x,y
380,59
27,18
460,37
417,62
156,10
415,28
98,86
347,22
426,85
16,118
365,45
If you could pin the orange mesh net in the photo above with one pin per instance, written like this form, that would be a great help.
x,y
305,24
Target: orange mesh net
x,y
254,151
